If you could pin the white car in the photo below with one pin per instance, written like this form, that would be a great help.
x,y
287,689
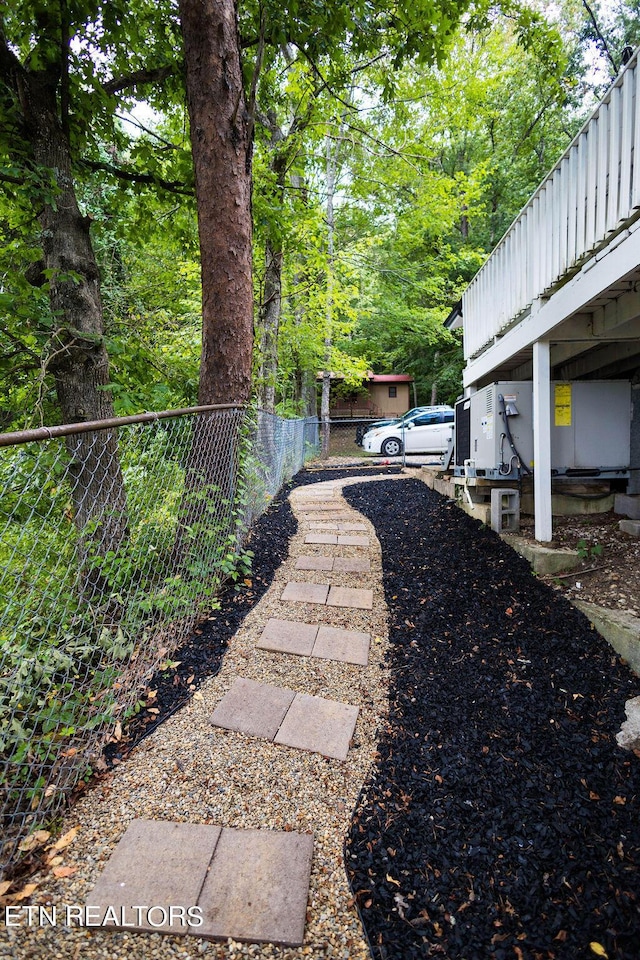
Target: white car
x,y
424,432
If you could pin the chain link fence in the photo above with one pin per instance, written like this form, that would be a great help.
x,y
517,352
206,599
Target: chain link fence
x,y
345,436
114,543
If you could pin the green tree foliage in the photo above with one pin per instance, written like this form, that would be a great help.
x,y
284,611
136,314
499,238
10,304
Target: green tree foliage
x,y
442,170
309,56
436,164
406,162
147,246
68,74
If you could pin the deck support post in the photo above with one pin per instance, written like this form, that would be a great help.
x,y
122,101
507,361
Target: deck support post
x,y
542,440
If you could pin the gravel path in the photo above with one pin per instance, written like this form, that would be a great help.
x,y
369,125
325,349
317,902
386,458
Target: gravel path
x,y
186,770
495,816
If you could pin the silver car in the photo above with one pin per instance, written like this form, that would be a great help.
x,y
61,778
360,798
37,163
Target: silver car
x,y
428,431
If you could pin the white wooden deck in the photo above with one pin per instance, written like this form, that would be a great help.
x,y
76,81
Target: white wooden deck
x,y
559,297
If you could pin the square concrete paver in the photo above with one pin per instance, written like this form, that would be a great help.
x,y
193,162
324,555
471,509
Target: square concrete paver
x,y
321,538
314,563
325,525
157,865
288,636
351,526
318,505
256,709
319,725
257,887
325,517
350,597
351,565
305,592
250,885
348,541
348,646
293,720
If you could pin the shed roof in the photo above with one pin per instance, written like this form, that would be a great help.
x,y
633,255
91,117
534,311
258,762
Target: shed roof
x,y
375,377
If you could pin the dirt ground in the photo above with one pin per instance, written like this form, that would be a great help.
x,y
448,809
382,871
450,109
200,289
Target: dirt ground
x,y
609,574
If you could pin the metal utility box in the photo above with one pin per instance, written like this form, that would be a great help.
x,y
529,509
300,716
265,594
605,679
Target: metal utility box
x,y
590,429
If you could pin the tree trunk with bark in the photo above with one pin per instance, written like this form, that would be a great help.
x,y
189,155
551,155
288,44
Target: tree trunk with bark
x,y
221,144
78,360
331,168
270,312
434,384
221,140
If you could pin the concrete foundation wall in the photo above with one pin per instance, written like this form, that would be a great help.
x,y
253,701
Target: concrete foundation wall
x,y
566,506
620,629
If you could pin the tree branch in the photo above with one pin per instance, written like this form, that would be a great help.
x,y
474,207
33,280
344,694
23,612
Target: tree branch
x,y
20,347
523,139
137,78
257,68
131,176
381,143
324,82
601,39
9,178
10,66
152,133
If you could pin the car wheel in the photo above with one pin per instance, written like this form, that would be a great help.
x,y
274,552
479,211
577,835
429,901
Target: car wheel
x,y
391,447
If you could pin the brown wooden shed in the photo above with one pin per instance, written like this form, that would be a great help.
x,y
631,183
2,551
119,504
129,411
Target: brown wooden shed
x,y
380,395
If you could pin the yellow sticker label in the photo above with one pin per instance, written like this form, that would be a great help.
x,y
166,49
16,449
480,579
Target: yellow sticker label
x,y
562,404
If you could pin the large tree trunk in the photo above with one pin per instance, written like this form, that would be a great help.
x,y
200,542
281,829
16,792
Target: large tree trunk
x,y
78,361
305,393
221,144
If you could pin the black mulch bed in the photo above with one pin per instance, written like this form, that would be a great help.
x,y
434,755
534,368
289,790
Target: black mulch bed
x,y
501,819
200,656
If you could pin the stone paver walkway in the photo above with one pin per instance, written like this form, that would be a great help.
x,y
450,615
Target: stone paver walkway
x,y
336,539
321,593
253,884
245,884
289,718
328,525
315,640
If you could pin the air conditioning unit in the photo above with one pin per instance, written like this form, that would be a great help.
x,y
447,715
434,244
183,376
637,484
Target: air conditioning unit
x,y
590,429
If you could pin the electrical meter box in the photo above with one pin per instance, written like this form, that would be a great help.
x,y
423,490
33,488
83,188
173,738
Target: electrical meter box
x,y
590,429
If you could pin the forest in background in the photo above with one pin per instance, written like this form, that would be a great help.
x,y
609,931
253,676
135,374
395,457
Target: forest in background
x,y
383,176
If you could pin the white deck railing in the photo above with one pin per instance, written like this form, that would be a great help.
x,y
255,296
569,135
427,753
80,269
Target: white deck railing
x,y
589,196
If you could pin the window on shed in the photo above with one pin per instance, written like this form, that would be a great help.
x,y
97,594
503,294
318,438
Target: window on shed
x,y
393,391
